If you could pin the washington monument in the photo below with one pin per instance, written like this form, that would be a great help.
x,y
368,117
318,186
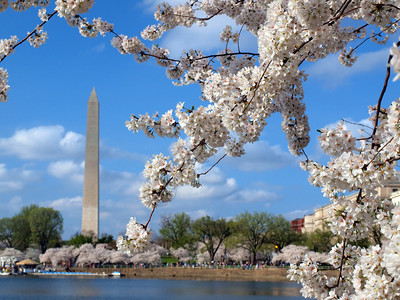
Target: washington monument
x,y
90,204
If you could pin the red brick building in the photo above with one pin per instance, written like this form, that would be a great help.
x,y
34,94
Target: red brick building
x,y
297,224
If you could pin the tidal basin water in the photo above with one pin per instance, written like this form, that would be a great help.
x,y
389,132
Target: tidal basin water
x,y
24,287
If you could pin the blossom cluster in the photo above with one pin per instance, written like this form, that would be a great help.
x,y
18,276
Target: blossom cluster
x,y
3,85
7,46
137,238
336,141
22,5
66,8
38,38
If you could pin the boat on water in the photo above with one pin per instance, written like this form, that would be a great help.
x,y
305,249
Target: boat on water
x,y
116,274
5,273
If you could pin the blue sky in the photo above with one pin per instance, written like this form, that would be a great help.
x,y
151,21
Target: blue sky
x,y
43,125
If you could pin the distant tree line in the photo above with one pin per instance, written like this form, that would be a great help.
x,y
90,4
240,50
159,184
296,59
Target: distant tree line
x,y
257,232
251,237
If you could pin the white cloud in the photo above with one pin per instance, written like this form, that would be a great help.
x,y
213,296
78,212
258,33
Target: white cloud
x,y
105,215
196,37
214,185
115,153
364,125
16,201
67,169
253,196
8,185
120,183
151,5
99,47
67,203
43,142
205,38
197,214
298,213
357,129
262,157
53,142
72,144
333,74
113,182
9,207
16,178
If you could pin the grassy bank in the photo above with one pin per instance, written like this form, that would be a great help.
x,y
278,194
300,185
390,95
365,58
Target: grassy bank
x,y
272,274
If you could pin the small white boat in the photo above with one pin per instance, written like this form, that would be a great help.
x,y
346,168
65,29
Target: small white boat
x,y
116,274
5,273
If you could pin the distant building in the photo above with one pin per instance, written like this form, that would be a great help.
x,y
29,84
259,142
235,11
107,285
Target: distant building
x,y
320,217
396,198
297,224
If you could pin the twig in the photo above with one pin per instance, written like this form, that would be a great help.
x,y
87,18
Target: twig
x,y
305,154
378,108
221,158
342,260
377,152
358,124
30,34
151,214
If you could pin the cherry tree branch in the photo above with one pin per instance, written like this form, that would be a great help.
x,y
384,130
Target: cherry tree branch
x,y
151,214
29,34
217,162
376,34
385,84
377,152
342,260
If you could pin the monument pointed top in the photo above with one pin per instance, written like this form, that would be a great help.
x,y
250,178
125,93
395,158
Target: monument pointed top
x,y
93,96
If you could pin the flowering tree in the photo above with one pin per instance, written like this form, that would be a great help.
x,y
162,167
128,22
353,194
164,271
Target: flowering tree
x,y
241,90
57,255
87,254
238,254
292,254
182,254
32,253
118,257
9,256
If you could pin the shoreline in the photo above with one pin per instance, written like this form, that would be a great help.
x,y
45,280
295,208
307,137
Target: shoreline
x,y
187,273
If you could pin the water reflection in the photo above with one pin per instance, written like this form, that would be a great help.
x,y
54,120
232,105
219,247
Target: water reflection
x,y
20,287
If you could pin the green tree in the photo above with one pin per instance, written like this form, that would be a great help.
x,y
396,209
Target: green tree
x,y
21,228
212,233
319,240
79,239
6,232
280,232
105,238
252,230
176,230
46,227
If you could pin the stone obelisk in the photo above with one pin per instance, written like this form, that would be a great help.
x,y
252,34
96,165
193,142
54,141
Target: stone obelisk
x,y
90,204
